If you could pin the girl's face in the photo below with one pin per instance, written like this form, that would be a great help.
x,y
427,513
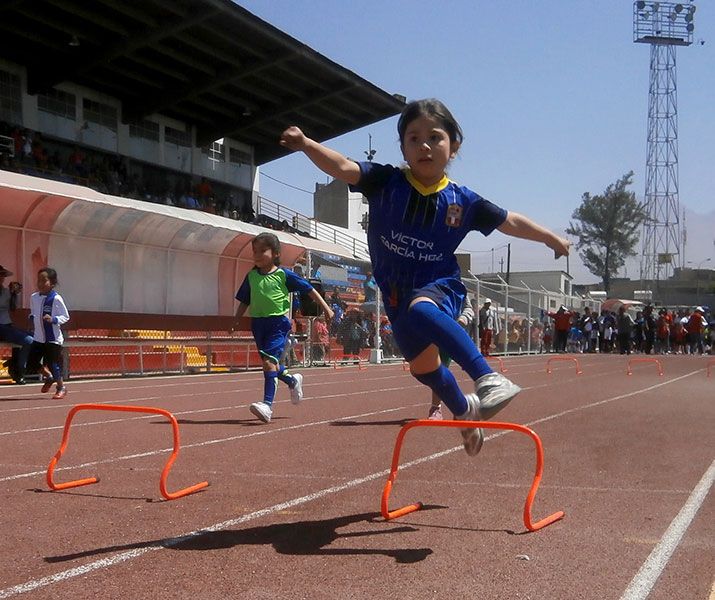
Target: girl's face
x,y
43,283
263,256
427,149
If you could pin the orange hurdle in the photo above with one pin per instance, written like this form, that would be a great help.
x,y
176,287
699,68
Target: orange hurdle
x,y
644,360
348,358
502,368
388,514
569,358
711,362
142,409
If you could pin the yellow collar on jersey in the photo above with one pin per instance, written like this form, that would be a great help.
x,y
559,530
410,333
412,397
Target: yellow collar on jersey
x,y
426,190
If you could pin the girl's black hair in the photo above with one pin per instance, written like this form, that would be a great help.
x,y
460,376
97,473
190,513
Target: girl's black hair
x,y
430,107
271,241
51,274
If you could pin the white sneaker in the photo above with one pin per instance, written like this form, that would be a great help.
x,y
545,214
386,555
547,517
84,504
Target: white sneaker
x,y
262,411
473,438
296,392
495,391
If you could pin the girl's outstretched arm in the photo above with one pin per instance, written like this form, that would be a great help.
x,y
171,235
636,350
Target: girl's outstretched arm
x,y
323,304
327,160
522,227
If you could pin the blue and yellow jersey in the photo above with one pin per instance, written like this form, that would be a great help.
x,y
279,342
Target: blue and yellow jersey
x,y
414,231
269,294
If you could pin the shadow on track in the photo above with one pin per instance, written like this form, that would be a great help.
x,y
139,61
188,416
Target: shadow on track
x,y
300,538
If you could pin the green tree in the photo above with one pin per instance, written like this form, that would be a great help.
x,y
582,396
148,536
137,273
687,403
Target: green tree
x,y
607,228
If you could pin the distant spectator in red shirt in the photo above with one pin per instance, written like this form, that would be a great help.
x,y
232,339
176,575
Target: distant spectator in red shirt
x,y
204,191
562,324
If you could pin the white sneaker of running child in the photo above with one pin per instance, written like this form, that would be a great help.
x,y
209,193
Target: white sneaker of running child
x,y
262,410
473,438
495,391
296,392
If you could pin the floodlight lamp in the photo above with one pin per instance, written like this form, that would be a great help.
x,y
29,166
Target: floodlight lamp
x,y
673,17
691,8
678,8
645,15
656,6
74,41
690,27
640,5
689,17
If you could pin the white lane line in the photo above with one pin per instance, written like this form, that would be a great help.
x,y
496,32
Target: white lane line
x,y
339,395
34,584
642,584
218,393
213,442
175,541
192,394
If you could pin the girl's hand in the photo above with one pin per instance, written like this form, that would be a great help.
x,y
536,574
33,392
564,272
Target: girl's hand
x,y
293,138
560,246
47,318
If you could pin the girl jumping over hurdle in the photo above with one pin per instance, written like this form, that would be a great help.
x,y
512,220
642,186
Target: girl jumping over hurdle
x,y
266,289
418,218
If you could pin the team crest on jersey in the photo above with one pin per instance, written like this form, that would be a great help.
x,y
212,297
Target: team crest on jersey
x,y
454,215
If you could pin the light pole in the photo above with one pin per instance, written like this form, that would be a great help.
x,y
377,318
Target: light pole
x,y
663,26
697,276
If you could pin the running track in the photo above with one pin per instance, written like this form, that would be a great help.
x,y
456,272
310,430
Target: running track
x,y
293,507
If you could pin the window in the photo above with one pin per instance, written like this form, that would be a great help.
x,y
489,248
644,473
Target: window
x,y
99,113
239,156
147,130
10,97
176,136
216,151
57,102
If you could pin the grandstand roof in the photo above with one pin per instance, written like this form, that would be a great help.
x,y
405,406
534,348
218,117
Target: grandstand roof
x,y
210,63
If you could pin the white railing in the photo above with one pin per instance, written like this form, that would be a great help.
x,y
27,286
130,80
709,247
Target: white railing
x,y
307,225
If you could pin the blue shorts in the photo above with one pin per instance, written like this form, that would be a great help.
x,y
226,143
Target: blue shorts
x,y
447,294
271,334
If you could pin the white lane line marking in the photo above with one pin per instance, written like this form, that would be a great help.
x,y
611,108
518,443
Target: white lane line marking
x,y
288,428
192,394
169,542
218,393
211,442
642,584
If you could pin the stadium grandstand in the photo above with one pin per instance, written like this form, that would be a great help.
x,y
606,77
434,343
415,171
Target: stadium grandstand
x,y
131,138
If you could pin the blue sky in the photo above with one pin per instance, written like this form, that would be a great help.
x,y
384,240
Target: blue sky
x,y
551,95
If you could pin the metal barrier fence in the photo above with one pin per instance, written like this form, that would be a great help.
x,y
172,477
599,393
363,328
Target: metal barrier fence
x,y
522,311
153,356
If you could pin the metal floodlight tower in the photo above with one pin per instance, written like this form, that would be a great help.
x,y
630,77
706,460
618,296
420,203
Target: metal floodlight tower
x,y
663,25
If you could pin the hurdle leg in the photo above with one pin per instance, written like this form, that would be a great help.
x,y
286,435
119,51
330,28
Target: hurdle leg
x,y
711,363
530,525
502,368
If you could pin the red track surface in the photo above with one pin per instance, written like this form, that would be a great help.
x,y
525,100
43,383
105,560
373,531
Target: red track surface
x,y
293,509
